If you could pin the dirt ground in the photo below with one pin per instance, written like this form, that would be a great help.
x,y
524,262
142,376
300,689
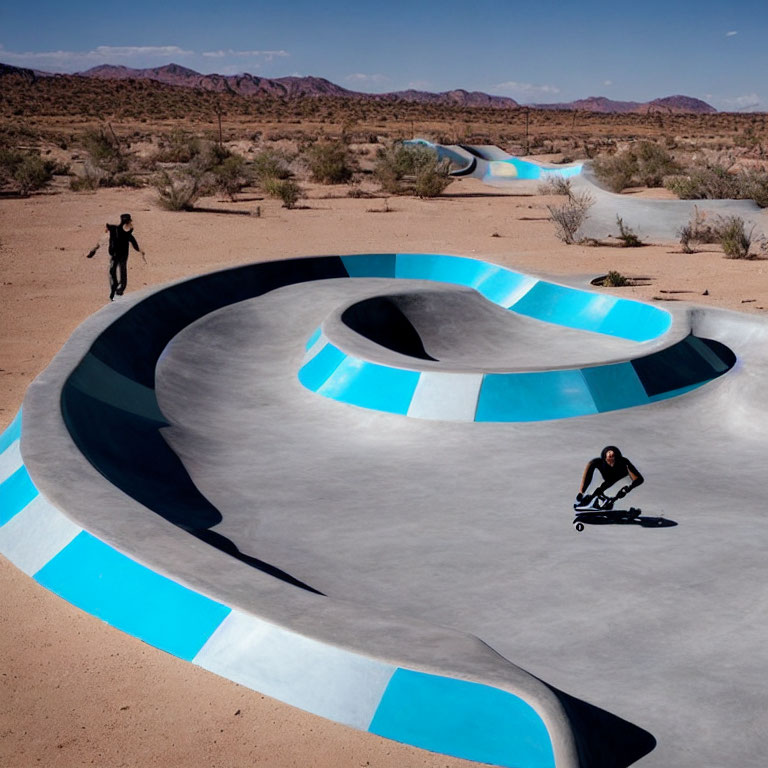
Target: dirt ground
x,y
76,692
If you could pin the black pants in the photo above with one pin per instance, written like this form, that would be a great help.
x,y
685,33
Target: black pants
x,y
117,285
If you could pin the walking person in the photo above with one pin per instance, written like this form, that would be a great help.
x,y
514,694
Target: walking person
x,y
120,237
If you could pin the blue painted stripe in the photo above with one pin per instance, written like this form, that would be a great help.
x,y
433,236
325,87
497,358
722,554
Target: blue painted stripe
x,y
442,268
370,265
316,372
15,493
463,719
102,581
11,433
534,396
369,385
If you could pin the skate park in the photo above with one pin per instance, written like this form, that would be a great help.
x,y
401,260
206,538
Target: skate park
x,y
394,562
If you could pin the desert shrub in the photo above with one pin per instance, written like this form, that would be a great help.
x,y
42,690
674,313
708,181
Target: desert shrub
x,y
409,169
104,152
25,171
286,190
554,184
734,237
645,163
270,164
627,235
179,147
704,182
329,162
615,279
569,217
230,175
697,230
179,190
753,185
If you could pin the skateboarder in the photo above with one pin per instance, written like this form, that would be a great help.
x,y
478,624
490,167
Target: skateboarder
x,y
613,467
120,237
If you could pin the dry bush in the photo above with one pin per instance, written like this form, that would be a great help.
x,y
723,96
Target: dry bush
x,y
270,164
286,190
697,230
179,146
329,162
615,279
627,235
644,164
408,169
25,171
569,217
554,184
735,238
179,190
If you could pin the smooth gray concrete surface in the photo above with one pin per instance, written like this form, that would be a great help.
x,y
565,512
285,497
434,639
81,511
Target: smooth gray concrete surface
x,y
440,526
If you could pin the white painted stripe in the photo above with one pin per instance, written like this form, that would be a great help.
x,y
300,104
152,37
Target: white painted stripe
x,y
36,535
707,354
517,292
320,342
446,396
305,673
10,460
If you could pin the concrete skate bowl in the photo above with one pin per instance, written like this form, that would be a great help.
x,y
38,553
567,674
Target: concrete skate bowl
x,y
315,573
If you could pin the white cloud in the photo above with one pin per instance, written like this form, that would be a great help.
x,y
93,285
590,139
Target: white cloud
x,y
527,89
230,53
732,33
746,102
68,61
360,79
607,82
420,85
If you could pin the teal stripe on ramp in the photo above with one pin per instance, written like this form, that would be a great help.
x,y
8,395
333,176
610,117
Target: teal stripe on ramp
x,y
615,386
534,396
12,432
463,719
370,265
129,596
16,492
369,385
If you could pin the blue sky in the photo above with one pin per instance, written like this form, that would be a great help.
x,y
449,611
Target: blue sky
x,y
533,52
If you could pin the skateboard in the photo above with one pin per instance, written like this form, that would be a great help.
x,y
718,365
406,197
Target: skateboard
x,y
604,515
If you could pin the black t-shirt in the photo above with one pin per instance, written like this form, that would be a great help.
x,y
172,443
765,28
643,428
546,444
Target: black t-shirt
x,y
119,240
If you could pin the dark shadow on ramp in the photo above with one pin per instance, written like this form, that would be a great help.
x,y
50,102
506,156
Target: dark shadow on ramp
x,y
604,740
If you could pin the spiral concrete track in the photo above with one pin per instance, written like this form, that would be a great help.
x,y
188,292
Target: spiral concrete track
x,y
415,573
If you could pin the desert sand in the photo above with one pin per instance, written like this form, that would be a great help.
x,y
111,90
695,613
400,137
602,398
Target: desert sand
x,y
76,692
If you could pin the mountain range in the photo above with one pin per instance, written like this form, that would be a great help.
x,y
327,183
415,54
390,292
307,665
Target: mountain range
x,y
301,87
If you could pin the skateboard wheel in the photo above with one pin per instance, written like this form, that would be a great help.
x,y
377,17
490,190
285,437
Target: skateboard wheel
x,y
579,526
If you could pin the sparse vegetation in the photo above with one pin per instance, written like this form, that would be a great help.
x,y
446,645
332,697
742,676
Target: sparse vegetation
x,y
628,237
735,238
270,164
329,162
698,230
286,190
179,190
230,175
643,164
615,279
25,171
407,169
554,184
569,217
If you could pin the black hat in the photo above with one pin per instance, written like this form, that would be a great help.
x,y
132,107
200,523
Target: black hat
x,y
125,218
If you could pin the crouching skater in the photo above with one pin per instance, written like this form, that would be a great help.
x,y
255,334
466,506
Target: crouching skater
x,y
613,467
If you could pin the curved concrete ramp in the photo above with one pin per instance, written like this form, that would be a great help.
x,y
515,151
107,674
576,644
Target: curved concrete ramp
x,y
347,561
648,218
494,166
